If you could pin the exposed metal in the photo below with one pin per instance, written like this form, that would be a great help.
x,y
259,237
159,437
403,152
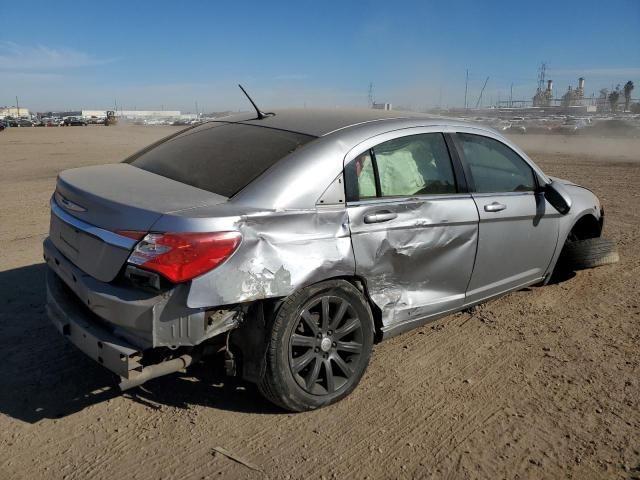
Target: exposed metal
x,y
137,378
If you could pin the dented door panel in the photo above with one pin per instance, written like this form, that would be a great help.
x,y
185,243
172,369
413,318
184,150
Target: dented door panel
x,y
419,263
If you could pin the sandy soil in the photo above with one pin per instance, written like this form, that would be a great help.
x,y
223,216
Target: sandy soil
x,y
543,383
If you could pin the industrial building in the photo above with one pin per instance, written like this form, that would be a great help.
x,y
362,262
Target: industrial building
x,y
15,112
573,97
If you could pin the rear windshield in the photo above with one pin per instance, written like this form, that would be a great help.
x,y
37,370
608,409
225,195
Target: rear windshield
x,y
222,158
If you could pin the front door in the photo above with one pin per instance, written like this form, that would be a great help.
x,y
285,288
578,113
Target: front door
x,y
413,232
518,228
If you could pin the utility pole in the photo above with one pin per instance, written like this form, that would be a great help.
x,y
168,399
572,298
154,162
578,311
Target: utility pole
x,y
466,83
511,97
18,106
481,92
370,98
197,116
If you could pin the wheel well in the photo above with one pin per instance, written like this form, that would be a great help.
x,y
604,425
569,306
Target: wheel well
x,y
587,227
361,284
250,339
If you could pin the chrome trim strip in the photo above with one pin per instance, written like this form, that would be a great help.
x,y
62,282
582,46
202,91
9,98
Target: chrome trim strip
x,y
503,194
104,235
408,199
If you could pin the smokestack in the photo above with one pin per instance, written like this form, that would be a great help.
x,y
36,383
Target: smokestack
x,y
581,83
549,85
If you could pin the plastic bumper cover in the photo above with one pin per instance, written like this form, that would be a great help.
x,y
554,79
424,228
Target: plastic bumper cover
x,y
86,334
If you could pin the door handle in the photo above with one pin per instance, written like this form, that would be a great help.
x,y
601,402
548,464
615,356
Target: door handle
x,y
494,207
380,216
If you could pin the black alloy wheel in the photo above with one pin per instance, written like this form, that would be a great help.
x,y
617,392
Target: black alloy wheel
x,y
319,348
325,346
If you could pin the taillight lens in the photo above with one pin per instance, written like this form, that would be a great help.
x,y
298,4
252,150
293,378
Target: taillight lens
x,y
183,256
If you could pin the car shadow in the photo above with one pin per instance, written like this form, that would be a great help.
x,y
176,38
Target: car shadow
x,y
563,271
44,376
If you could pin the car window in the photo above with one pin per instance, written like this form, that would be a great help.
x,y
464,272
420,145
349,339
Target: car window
x,y
494,166
411,165
414,165
366,175
219,157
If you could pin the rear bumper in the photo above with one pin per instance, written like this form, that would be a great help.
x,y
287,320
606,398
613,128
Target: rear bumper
x,y
114,325
144,319
95,341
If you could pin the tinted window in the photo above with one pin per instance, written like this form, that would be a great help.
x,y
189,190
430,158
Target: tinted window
x,y
222,158
494,166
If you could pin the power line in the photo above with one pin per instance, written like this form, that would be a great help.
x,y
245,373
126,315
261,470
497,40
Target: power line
x,y
466,83
481,92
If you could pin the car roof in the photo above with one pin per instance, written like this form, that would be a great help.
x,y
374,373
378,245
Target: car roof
x,y
319,122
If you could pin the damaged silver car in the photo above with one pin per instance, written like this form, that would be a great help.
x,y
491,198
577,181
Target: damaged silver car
x,y
292,242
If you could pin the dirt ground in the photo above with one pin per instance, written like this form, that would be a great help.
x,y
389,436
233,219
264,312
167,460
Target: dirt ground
x,y
542,383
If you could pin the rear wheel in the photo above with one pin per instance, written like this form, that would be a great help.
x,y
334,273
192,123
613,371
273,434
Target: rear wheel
x,y
319,348
589,253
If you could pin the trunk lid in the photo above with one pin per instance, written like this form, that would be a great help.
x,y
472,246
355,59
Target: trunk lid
x,y
92,203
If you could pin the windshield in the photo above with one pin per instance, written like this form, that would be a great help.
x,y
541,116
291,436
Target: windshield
x,y
219,157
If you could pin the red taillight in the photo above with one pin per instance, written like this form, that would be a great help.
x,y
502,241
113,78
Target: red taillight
x,y
183,256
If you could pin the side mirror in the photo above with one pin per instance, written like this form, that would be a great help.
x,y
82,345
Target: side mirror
x,y
557,195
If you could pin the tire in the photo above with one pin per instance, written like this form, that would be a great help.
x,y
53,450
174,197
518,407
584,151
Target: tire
x,y
313,362
589,253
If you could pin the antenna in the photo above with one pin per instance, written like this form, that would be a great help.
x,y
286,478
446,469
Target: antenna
x,y
260,113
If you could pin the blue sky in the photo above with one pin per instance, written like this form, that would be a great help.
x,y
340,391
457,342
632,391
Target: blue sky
x,y
63,54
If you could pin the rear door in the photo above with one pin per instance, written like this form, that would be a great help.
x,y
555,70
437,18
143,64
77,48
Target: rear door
x,y
413,225
518,228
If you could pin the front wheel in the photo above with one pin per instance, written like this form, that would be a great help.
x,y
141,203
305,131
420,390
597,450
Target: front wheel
x,y
590,253
320,344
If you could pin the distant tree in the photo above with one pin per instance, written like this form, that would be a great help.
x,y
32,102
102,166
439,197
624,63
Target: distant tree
x,y
628,88
613,98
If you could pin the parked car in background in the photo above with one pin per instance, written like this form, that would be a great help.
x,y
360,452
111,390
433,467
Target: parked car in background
x,y
2,126
294,241
74,122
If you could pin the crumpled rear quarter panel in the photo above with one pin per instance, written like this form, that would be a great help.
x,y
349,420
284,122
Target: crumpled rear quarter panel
x,y
280,252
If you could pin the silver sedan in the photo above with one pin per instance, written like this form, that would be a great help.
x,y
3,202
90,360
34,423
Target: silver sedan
x,y
294,241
